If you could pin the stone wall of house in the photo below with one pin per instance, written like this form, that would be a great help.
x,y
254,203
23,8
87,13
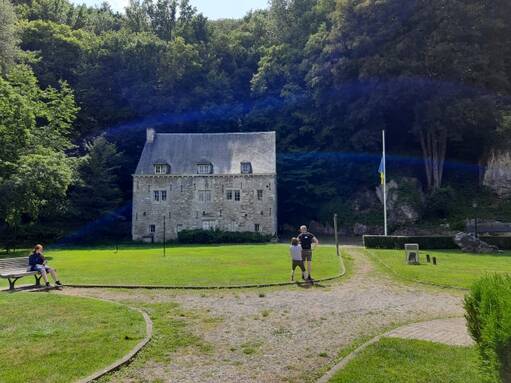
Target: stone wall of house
x,y
184,210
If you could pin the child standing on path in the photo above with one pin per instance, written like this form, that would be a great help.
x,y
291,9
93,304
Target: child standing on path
x,y
295,251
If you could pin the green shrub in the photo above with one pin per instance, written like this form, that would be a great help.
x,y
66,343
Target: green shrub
x,y
218,236
442,203
488,313
503,243
398,242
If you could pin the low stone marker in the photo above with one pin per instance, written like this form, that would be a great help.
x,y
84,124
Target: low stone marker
x,y
412,253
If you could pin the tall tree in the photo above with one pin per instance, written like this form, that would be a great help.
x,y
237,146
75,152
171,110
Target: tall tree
x,y
97,192
8,36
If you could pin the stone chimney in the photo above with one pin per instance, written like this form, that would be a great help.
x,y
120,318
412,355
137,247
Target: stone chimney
x,y
150,133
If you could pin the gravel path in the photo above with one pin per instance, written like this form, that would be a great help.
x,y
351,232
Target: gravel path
x,y
287,335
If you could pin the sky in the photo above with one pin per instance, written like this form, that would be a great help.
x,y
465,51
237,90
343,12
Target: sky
x,y
212,9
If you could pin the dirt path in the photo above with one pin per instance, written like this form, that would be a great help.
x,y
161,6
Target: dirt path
x,y
287,335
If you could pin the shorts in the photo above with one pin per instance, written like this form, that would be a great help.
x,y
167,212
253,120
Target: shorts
x,y
297,264
39,268
306,255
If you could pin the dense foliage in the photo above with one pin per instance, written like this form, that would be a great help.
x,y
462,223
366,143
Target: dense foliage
x,y
488,313
218,236
326,75
398,242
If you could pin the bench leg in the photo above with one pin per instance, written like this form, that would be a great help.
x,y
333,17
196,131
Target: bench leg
x,y
12,282
37,280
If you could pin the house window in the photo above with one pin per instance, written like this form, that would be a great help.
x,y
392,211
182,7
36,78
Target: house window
x,y
152,228
161,169
204,195
233,226
156,195
208,225
246,168
259,195
163,195
257,228
204,168
237,195
229,195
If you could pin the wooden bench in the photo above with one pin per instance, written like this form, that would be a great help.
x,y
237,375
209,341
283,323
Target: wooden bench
x,y
13,269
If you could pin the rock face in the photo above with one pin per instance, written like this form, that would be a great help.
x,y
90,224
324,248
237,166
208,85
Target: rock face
x,y
498,173
470,244
404,199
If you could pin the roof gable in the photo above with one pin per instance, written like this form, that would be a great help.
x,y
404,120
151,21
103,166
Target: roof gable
x,y
225,151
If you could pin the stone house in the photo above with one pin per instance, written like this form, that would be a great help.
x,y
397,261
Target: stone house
x,y
223,181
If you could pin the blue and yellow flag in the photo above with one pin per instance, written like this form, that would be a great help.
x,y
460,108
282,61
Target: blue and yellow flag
x,y
381,170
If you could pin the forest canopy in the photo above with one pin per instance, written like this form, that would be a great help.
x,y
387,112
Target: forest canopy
x,y
79,85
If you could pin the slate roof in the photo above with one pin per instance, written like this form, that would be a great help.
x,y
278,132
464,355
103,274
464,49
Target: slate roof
x,y
226,151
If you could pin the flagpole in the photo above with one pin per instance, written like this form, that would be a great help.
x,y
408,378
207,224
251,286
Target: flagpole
x,y
384,186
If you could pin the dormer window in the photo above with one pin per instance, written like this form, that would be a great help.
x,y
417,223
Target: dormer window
x,y
246,168
204,168
161,168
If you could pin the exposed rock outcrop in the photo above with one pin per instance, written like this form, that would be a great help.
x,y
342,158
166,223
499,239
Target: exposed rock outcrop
x,y
498,173
470,244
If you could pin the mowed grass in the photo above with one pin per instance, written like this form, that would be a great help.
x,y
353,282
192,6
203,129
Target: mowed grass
x,y
207,265
453,268
411,361
54,338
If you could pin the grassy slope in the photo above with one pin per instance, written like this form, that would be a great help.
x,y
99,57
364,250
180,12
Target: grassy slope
x,y
454,268
53,338
184,265
408,361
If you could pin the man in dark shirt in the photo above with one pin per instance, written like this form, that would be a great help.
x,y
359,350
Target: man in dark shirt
x,y
308,242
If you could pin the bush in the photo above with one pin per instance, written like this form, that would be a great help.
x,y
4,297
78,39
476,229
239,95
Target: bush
x,y
218,236
488,313
442,203
398,242
503,243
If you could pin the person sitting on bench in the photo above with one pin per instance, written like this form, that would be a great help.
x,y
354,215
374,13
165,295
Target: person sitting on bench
x,y
37,262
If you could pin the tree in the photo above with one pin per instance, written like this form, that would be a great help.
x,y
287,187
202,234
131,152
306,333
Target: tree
x,y
8,36
97,192
410,67
35,173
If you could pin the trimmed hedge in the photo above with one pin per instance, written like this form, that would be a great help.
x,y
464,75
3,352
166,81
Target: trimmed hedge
x,y
503,243
488,313
398,242
218,236
428,242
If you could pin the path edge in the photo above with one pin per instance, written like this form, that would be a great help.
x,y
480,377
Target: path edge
x,y
352,355
128,358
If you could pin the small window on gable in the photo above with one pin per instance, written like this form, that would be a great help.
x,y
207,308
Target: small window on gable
x,y
246,168
160,168
204,168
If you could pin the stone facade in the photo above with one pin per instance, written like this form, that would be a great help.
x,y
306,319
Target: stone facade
x,y
226,201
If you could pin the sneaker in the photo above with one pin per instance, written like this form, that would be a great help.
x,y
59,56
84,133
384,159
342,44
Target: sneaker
x,y
47,284
57,283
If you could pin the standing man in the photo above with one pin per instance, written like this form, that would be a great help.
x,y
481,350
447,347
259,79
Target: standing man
x,y
308,242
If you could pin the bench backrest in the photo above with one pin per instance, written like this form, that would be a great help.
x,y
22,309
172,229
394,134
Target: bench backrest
x,y
19,263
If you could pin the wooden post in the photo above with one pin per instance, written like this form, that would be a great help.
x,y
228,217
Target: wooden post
x,y
336,235
164,244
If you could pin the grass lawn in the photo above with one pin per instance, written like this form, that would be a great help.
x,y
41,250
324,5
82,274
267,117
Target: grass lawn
x,y
454,268
411,361
184,265
54,338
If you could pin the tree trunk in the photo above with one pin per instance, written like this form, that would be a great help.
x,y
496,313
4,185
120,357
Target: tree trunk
x,y
434,147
